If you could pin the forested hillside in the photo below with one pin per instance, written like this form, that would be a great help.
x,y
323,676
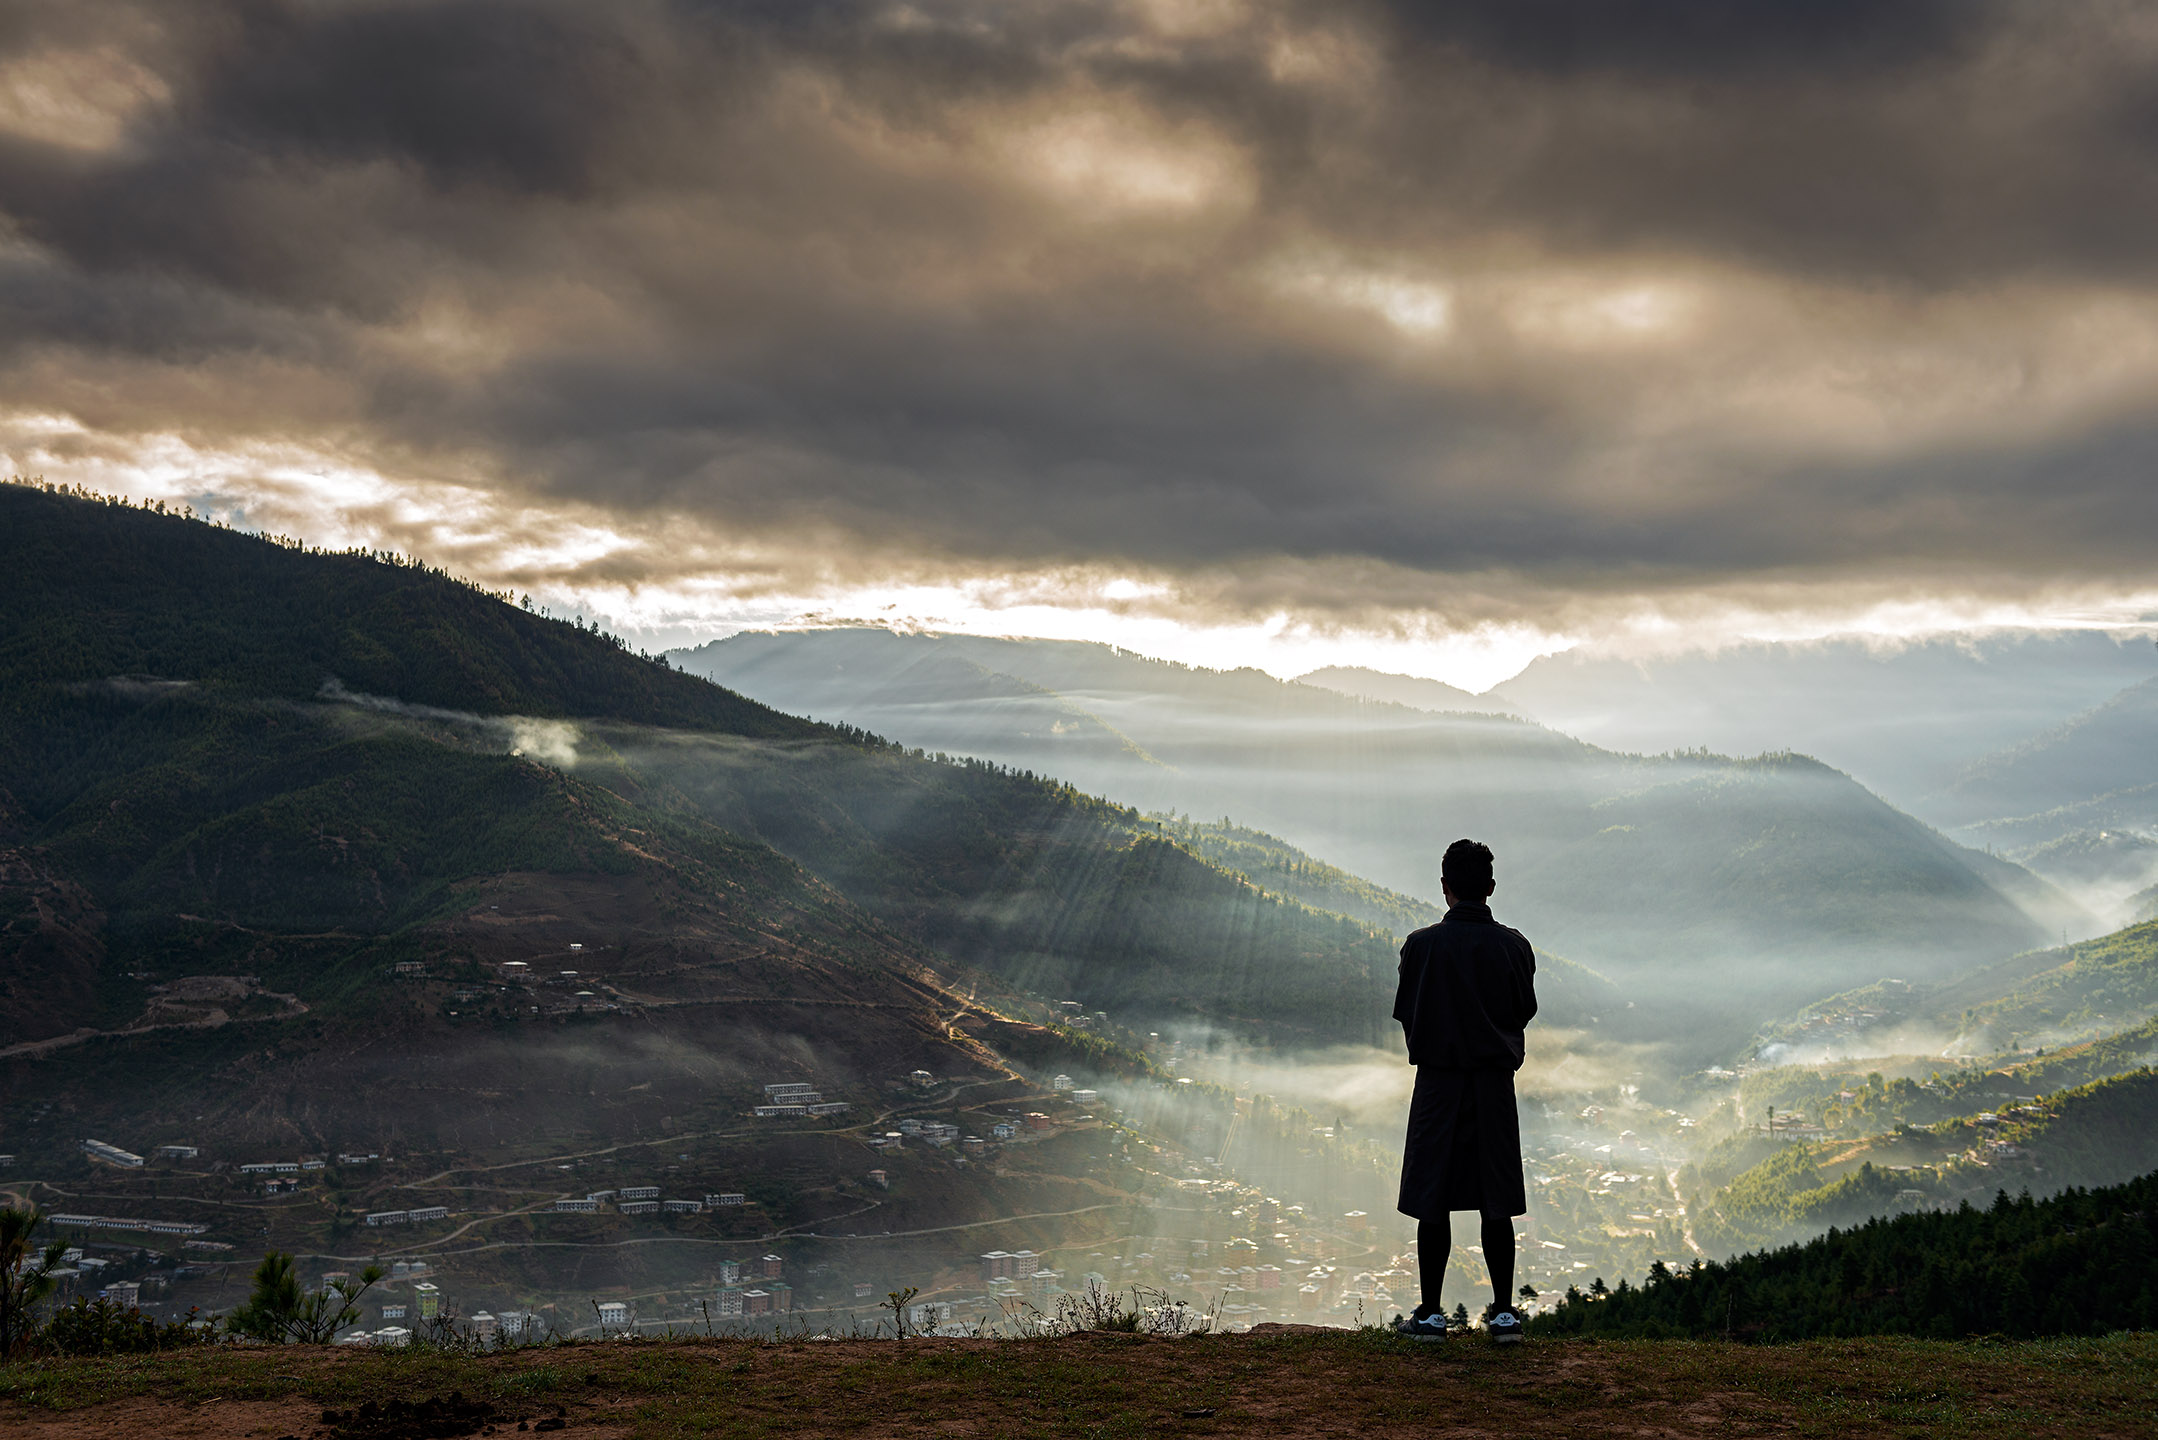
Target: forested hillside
x,y
1753,1191
1274,863
211,735
2055,997
102,591
2110,748
2080,1263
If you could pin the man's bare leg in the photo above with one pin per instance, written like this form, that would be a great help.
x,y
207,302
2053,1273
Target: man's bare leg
x,y
1498,1256
1434,1242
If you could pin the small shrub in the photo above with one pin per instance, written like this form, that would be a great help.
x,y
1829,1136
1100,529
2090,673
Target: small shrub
x,y
277,1312
26,1276
102,1327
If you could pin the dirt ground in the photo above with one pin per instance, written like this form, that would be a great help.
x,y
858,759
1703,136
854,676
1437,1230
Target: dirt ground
x,y
1279,1383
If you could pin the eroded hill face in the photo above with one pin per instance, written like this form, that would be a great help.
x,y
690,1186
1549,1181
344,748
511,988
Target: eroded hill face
x,y
52,950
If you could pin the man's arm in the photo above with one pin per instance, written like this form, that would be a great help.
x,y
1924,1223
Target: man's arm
x,y
1525,982
1406,992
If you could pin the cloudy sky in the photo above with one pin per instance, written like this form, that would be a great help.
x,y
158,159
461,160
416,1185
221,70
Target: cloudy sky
x,y
1426,335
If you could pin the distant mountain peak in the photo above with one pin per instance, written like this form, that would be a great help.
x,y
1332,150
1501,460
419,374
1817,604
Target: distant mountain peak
x,y
1414,691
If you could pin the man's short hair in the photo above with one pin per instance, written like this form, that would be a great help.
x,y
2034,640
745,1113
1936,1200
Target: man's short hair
x,y
1466,870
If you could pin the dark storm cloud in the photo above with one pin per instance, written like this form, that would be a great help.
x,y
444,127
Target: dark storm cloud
x,y
1686,40
1592,290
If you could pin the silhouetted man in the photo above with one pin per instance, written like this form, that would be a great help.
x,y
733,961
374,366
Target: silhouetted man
x,y
1468,989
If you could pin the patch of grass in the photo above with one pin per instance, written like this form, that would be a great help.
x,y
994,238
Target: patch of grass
x,y
1110,1385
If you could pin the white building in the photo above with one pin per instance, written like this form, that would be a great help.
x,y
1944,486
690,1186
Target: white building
x,y
640,1192
177,1152
714,1202
118,1222
111,1154
580,1207
614,1317
929,1315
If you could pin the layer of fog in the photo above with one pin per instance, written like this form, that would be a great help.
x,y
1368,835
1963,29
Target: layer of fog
x,y
1697,1009
1903,717
1379,789
551,741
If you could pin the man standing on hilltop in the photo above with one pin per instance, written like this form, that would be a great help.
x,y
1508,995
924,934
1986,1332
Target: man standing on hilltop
x,y
1468,990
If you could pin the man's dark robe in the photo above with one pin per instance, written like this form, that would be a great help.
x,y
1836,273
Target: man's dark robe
x,y
1468,991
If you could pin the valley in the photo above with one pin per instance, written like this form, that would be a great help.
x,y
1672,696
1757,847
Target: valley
x,y
367,894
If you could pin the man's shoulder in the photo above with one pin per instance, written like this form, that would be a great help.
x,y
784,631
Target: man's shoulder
x,y
1472,938
1481,938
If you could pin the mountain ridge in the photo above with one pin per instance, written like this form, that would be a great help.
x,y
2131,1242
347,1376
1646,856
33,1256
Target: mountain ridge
x,y
1362,782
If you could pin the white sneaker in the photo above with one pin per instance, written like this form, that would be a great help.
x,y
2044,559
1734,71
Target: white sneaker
x,y
1422,1326
1504,1328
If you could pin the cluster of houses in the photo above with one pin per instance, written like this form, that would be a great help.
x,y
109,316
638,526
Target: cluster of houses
x,y
120,1222
1013,1269
645,1200
748,1289
941,1134
1072,1013
75,1267
425,1306
789,1099
1062,1084
1991,1146
938,1133
105,1153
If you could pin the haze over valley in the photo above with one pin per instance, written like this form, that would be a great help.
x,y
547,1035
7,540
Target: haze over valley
x,y
359,861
